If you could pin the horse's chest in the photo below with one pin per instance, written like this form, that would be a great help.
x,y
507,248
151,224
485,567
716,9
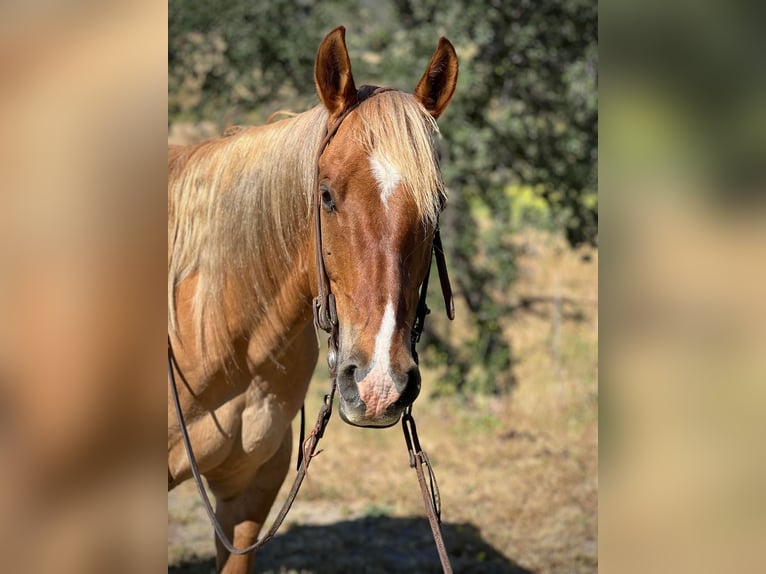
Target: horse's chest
x,y
250,426
245,431
263,425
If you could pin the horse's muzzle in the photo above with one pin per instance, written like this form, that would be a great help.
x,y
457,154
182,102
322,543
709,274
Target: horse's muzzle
x,y
372,398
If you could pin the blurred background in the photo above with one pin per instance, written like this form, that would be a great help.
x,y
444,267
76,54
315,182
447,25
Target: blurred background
x,y
83,110
682,102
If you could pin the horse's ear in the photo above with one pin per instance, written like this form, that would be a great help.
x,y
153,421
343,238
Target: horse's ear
x,y
437,85
332,73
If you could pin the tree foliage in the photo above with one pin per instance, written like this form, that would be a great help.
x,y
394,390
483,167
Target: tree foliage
x,y
524,116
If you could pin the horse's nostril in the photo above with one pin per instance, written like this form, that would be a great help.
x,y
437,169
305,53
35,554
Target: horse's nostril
x,y
347,386
348,371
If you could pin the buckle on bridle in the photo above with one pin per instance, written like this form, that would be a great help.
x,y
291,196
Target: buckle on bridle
x,y
325,312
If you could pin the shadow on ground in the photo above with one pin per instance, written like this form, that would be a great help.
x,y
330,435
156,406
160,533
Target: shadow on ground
x,y
372,545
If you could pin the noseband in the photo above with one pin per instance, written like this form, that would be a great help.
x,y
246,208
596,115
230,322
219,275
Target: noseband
x,y
326,318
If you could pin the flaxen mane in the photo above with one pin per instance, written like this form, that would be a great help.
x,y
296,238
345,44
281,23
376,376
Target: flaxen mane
x,y
239,207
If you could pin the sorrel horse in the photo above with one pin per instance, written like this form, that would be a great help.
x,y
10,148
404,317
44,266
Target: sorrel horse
x,y
242,273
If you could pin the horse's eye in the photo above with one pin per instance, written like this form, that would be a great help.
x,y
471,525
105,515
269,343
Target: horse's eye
x,y
327,200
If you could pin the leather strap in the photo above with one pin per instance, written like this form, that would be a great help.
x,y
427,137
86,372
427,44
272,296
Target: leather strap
x,y
431,496
441,265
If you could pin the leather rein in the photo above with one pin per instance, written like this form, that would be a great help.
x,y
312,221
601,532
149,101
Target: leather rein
x,y
326,318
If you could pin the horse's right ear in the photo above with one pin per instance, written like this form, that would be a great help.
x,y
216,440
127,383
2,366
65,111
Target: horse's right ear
x,y
332,73
437,85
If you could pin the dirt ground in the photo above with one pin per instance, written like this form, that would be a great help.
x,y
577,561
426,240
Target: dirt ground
x,y
518,474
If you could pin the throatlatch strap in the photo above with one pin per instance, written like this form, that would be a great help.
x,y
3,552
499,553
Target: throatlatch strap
x,y
441,265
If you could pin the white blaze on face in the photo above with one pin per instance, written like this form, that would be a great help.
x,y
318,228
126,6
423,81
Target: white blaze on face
x,y
385,174
381,360
377,390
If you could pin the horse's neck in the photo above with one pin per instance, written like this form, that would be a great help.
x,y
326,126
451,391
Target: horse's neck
x,y
253,339
284,313
282,285
244,269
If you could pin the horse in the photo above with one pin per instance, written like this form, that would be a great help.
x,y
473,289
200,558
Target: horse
x,y
242,274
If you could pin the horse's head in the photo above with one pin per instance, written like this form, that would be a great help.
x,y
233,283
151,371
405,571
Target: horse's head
x,y
380,192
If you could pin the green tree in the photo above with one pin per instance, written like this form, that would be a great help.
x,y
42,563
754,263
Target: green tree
x,y
232,57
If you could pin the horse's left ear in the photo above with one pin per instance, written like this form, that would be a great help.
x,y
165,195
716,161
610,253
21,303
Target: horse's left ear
x,y
437,85
332,73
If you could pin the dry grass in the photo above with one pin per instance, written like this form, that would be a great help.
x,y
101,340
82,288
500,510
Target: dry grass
x,y
518,474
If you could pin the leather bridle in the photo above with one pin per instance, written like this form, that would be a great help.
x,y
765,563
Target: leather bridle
x,y
325,312
326,319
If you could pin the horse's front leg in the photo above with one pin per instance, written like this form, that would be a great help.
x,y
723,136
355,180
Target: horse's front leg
x,y
242,515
